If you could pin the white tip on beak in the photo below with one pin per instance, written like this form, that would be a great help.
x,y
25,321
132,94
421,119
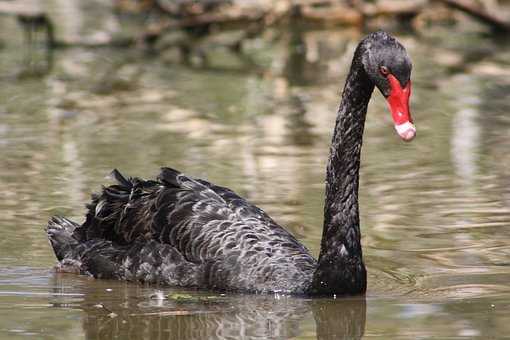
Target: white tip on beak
x,y
406,131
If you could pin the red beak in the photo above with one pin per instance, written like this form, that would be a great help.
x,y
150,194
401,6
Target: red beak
x,y
398,101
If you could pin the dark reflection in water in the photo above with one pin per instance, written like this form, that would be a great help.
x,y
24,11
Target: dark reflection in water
x,y
38,33
340,319
306,61
202,315
300,129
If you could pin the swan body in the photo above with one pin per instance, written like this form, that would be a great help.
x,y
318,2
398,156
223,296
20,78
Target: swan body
x,y
184,232
181,231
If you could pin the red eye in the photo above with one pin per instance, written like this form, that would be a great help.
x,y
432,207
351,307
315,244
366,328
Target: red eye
x,y
384,70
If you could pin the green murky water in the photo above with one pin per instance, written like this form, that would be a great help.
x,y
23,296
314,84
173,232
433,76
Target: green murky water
x,y
435,213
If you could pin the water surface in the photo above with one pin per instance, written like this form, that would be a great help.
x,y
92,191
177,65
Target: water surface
x,y
435,213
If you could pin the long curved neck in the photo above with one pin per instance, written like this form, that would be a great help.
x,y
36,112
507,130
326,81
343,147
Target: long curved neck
x,y
340,267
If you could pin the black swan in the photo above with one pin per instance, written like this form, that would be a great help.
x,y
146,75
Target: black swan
x,y
187,232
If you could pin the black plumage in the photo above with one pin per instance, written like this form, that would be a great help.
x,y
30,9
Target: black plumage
x,y
181,231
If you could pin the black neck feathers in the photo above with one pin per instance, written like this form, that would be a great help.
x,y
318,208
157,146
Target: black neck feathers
x,y
340,265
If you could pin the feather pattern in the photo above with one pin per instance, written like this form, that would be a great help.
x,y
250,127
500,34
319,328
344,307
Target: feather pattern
x,y
181,231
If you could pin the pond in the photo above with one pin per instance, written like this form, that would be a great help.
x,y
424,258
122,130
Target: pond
x,y
435,213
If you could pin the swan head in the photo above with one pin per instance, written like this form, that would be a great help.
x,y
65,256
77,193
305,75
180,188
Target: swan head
x,y
388,66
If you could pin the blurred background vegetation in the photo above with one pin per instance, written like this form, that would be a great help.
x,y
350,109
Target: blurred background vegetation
x,y
193,27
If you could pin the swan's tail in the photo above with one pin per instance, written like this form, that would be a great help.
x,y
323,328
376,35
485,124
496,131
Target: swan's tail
x,y
142,260
60,233
91,257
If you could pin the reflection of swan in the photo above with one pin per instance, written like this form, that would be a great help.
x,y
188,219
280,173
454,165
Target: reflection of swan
x,y
187,232
224,317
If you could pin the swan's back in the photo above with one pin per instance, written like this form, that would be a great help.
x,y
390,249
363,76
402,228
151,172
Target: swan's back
x,y
182,231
